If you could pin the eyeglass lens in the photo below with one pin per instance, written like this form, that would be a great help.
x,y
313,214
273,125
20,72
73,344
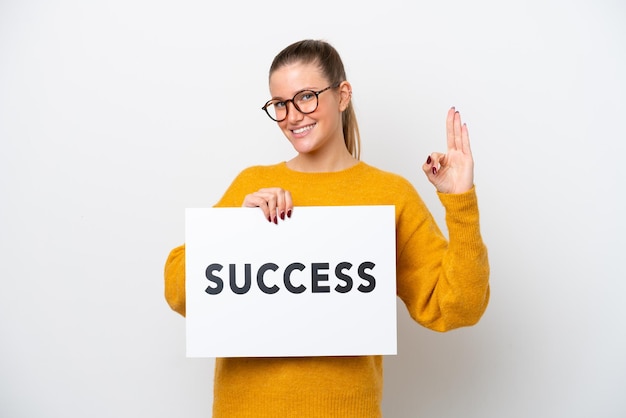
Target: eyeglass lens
x,y
304,102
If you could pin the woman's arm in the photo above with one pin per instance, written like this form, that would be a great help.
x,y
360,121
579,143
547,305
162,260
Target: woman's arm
x,y
175,279
444,284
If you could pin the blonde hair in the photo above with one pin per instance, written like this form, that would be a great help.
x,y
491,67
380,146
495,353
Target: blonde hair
x,y
326,57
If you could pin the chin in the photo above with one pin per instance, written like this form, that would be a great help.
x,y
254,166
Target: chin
x,y
300,147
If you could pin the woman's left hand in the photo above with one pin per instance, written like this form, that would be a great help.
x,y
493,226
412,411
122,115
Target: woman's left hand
x,y
452,172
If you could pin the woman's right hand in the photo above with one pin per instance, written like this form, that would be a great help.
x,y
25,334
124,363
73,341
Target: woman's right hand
x,y
273,201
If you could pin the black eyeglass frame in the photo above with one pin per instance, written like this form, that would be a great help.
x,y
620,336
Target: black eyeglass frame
x,y
317,102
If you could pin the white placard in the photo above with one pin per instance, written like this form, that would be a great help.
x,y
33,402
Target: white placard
x,y
321,283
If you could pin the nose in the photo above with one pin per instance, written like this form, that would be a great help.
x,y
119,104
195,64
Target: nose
x,y
293,114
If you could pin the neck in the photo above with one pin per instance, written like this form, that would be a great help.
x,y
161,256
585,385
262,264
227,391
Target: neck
x,y
310,162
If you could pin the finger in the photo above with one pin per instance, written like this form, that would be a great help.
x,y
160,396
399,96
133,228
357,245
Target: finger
x,y
433,163
288,203
255,200
272,204
282,199
280,203
465,139
450,128
457,131
275,202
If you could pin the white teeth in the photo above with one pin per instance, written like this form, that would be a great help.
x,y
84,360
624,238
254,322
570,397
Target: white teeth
x,y
303,129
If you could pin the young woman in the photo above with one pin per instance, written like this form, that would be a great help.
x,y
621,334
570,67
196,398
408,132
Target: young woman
x,y
444,284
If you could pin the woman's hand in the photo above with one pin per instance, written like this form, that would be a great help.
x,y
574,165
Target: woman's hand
x,y
452,172
274,202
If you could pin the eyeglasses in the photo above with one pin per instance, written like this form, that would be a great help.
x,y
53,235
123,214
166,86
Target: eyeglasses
x,y
305,102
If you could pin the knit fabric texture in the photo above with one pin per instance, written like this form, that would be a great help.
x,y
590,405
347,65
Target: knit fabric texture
x,y
444,284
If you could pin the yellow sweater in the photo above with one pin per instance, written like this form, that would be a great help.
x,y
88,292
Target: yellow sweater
x,y
444,285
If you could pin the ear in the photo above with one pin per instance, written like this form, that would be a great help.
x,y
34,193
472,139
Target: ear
x,y
345,95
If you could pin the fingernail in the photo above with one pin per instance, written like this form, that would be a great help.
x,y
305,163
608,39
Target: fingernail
x,y
434,170
282,215
289,213
453,107
275,220
428,160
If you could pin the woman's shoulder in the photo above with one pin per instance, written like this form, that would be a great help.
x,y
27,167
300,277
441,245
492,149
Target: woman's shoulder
x,y
247,181
384,177
255,171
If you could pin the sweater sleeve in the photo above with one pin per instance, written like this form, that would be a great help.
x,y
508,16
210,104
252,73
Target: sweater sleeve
x,y
444,284
175,280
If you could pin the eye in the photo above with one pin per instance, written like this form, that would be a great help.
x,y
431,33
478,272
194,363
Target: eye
x,y
279,105
306,96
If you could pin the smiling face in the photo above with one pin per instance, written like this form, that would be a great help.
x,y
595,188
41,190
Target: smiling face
x,y
318,133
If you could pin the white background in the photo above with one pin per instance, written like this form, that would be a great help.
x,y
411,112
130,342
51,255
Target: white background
x,y
116,115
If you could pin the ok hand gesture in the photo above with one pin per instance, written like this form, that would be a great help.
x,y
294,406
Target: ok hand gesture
x,y
452,172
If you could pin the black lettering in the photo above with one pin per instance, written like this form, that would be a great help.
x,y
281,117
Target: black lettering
x,y
219,284
342,276
233,279
259,278
316,278
367,277
287,278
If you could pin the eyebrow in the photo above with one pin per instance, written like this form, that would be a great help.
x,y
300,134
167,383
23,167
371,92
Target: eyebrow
x,y
297,91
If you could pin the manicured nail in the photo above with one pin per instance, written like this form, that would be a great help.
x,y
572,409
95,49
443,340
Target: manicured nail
x,y
289,213
428,160
434,170
276,220
282,215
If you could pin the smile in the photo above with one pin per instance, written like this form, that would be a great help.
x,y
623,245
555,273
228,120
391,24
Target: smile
x,y
303,129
